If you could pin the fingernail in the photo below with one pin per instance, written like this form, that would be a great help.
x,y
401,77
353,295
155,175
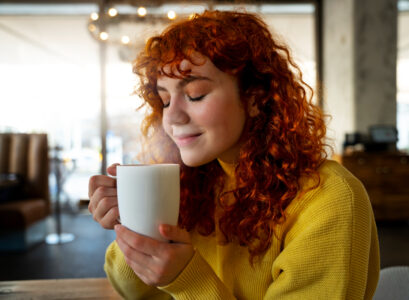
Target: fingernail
x,y
116,227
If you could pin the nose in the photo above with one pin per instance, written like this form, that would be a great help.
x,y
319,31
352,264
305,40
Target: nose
x,y
176,113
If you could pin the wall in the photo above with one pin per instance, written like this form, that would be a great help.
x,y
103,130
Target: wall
x,y
360,46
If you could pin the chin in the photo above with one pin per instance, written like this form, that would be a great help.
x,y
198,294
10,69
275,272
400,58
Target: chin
x,y
195,161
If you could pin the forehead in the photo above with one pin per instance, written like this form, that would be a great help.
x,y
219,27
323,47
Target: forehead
x,y
204,67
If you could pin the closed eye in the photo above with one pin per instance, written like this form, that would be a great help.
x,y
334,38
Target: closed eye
x,y
164,98
193,99
196,98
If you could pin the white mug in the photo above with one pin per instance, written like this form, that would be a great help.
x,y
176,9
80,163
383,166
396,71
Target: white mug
x,y
148,195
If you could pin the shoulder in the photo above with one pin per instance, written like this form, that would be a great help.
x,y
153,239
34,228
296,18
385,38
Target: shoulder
x,y
332,172
339,194
336,209
340,184
336,182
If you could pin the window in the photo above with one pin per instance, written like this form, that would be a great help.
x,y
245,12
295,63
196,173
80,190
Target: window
x,y
49,69
403,75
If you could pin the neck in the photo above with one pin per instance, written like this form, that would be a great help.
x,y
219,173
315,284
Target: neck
x,y
228,168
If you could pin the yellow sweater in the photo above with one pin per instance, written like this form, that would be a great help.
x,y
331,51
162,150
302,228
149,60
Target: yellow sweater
x,y
326,249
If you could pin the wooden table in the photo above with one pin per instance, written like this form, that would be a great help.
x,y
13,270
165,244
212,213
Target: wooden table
x,y
83,288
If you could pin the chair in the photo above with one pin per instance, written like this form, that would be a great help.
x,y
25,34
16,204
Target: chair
x,y
22,220
393,284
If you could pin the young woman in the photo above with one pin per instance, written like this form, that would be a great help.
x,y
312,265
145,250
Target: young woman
x,y
264,214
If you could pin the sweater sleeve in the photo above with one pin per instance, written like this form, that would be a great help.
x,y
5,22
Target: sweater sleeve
x,y
198,281
330,247
125,281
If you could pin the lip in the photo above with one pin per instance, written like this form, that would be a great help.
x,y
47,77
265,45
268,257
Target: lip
x,y
184,140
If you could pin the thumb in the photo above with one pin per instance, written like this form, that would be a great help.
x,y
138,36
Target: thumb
x,y
111,170
174,234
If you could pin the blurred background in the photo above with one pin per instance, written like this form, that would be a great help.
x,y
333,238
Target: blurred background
x,y
66,74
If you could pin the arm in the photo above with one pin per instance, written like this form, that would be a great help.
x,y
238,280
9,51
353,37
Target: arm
x,y
125,281
331,251
198,281
175,268
121,269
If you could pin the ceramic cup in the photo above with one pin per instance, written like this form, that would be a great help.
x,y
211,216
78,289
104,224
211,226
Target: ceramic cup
x,y
148,195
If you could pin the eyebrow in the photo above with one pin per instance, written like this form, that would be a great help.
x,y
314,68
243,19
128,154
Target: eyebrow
x,y
184,81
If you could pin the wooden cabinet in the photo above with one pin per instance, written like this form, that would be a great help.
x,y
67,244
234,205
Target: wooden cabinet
x,y
386,178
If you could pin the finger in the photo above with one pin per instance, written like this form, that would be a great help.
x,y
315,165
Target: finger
x,y
99,180
111,170
110,219
139,259
99,194
104,205
141,243
105,191
174,234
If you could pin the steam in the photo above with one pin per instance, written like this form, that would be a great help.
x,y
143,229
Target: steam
x,y
158,147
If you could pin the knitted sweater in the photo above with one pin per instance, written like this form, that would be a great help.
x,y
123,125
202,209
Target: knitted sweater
x,y
326,249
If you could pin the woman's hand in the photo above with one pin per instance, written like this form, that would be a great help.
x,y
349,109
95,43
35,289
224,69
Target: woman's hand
x,y
156,263
103,203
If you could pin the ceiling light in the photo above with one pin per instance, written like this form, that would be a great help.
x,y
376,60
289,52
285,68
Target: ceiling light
x,y
125,40
92,27
94,16
103,36
142,11
171,15
112,12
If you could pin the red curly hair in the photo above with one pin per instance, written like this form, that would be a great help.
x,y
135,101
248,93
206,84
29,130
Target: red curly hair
x,y
283,142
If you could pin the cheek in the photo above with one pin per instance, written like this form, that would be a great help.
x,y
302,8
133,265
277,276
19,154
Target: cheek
x,y
225,120
209,116
235,125
165,125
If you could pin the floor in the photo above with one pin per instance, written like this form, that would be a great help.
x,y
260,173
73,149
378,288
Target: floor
x,y
84,257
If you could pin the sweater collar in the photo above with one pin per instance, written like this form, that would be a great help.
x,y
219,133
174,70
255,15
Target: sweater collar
x,y
228,168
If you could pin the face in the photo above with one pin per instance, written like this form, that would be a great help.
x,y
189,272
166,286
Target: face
x,y
202,113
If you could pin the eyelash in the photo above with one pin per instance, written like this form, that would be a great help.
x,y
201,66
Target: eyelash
x,y
196,98
190,99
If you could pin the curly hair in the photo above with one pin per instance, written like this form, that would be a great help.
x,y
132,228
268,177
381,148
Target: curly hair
x,y
282,142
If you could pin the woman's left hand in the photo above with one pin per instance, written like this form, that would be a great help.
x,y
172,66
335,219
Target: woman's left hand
x,y
156,263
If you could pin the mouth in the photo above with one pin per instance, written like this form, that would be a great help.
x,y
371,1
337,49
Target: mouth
x,y
186,139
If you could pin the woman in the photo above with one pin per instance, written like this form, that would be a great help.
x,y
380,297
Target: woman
x,y
264,214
